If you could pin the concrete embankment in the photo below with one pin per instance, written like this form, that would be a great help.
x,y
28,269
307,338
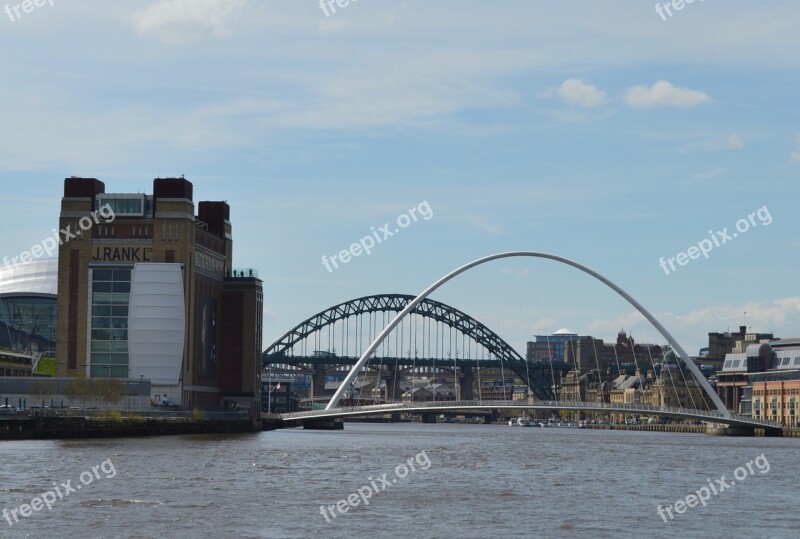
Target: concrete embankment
x,y
45,428
702,429
696,429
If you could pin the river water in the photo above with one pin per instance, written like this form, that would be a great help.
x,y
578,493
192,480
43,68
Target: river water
x,y
467,480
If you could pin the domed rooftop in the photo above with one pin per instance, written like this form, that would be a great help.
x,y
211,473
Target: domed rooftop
x,y
564,331
762,350
35,277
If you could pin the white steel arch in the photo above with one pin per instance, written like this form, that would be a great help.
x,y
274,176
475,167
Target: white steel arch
x,y
354,372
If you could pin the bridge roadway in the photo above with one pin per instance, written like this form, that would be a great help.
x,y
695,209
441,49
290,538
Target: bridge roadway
x,y
535,373
488,363
712,416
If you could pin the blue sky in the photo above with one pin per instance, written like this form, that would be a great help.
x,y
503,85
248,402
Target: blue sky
x,y
592,130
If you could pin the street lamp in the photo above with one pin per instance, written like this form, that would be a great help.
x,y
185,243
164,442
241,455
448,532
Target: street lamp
x,y
50,340
141,384
269,389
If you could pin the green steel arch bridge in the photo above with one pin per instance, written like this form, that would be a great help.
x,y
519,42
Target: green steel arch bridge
x,y
310,347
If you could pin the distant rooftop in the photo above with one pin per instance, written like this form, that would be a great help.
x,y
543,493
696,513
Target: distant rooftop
x,y
564,331
784,343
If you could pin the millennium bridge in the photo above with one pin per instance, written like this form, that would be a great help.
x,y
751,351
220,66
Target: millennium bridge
x,y
432,407
436,329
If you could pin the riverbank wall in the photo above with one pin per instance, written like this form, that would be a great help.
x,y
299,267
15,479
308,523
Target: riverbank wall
x,y
115,426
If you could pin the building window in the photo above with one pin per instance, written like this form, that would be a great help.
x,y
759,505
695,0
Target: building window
x,y
111,287
129,205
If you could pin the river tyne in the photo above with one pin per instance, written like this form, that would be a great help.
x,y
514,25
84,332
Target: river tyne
x,y
420,481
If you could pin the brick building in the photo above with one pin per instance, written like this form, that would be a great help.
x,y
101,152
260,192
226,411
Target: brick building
x,y
147,290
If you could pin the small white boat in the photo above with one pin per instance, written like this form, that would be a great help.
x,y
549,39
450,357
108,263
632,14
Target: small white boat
x,y
524,421
563,424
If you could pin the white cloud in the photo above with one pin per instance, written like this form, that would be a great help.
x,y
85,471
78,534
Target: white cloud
x,y
483,223
664,94
707,175
734,142
354,95
795,155
181,21
577,92
780,316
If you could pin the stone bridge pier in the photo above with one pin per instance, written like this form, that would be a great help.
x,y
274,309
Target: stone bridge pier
x,y
466,384
318,381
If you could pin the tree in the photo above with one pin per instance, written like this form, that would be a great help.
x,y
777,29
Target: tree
x,y
107,391
96,390
110,390
79,390
39,390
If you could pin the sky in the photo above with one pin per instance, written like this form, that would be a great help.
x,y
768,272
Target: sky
x,y
598,131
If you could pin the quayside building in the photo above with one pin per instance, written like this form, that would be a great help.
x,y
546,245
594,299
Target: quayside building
x,y
147,291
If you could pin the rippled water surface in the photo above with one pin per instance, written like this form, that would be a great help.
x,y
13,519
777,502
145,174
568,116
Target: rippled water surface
x,y
482,481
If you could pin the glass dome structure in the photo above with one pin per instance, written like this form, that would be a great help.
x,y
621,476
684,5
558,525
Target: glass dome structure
x,y
28,306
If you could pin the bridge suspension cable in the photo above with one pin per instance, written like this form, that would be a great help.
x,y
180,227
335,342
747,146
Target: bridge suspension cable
x,y
425,293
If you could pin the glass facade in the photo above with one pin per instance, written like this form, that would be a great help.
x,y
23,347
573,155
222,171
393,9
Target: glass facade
x,y
134,205
28,323
28,306
111,288
550,347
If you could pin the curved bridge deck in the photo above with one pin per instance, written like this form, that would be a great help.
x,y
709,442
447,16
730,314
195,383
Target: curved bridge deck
x,y
712,416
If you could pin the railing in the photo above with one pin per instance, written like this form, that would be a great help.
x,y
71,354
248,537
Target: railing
x,y
241,273
712,415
